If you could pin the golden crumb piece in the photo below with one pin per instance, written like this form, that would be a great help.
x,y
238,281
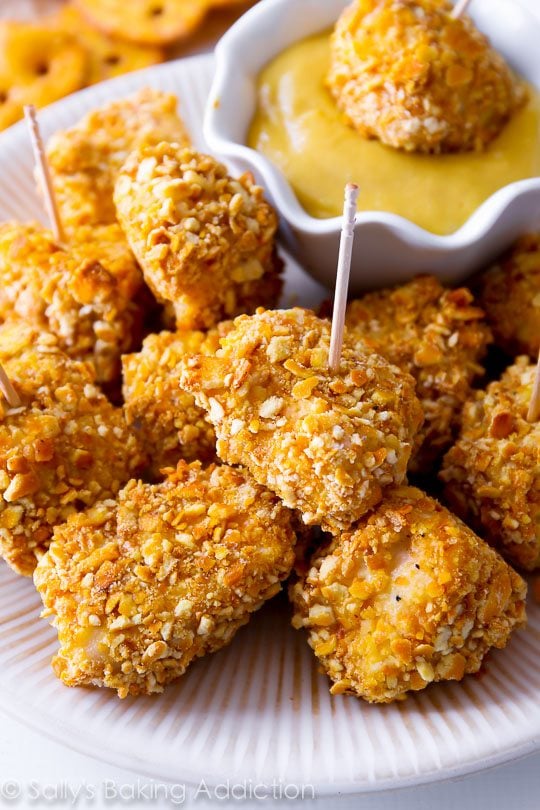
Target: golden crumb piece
x,y
327,443
71,294
37,66
107,245
205,241
146,22
63,449
407,73
409,596
141,587
439,337
492,473
170,424
85,160
107,56
510,294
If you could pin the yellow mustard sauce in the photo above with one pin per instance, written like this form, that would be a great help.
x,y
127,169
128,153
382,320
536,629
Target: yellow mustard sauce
x,y
298,126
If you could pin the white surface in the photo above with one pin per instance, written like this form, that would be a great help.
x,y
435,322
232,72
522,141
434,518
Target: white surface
x,y
388,248
26,756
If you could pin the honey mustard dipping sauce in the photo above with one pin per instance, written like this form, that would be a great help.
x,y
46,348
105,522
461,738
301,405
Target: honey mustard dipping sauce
x,y
297,126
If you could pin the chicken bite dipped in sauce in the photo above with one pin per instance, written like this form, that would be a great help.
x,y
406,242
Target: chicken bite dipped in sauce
x,y
492,473
168,421
406,597
438,336
408,73
327,443
140,587
205,241
62,450
94,314
510,294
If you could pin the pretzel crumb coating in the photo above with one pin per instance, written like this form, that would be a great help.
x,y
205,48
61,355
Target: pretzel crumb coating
x,y
63,449
510,294
70,294
409,596
169,422
437,335
407,73
491,474
326,443
85,160
205,241
141,587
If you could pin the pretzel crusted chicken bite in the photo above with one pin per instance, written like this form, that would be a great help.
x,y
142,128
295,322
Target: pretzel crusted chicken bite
x,y
436,335
93,313
408,73
85,160
408,596
327,443
204,240
63,449
492,473
510,294
140,587
169,422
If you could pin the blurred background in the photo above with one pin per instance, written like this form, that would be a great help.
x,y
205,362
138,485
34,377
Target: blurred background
x,y
50,48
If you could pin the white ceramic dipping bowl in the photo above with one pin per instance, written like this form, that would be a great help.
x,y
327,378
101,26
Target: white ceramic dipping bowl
x,y
388,248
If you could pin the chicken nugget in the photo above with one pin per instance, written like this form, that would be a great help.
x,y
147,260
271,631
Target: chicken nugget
x,y
408,73
169,422
492,473
326,442
205,241
141,587
63,449
407,597
438,336
94,314
85,160
510,294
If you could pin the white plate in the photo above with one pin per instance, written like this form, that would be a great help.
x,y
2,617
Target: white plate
x,y
257,710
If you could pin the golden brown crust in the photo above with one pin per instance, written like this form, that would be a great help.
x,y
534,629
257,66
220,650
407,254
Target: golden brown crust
x,y
510,294
407,73
170,424
408,597
85,160
204,240
326,443
69,294
140,587
65,448
492,472
438,336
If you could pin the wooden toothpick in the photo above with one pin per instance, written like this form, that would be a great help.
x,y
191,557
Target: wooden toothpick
x,y
46,179
11,396
533,413
460,8
342,279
